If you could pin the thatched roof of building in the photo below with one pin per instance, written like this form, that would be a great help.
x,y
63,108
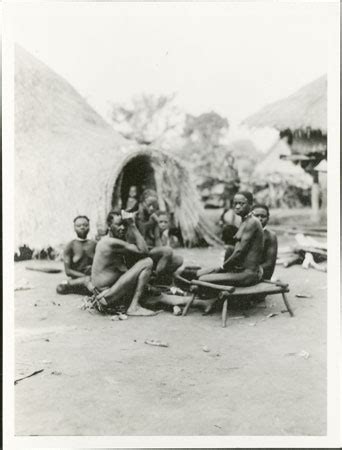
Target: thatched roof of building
x,y
274,169
68,161
306,108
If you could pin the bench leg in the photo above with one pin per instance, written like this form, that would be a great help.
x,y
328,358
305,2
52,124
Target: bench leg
x,y
224,313
287,304
187,306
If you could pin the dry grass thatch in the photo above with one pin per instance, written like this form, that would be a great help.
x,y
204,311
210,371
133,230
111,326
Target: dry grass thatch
x,y
306,108
68,160
275,170
174,186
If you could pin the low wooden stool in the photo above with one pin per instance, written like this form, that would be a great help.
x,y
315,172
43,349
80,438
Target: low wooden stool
x,y
265,287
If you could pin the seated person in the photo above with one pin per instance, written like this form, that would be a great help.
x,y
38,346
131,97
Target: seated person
x,y
165,261
230,222
242,263
166,238
113,279
78,257
132,203
269,256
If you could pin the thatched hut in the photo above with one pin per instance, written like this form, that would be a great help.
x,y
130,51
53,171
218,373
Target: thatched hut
x,y
277,180
302,118
69,161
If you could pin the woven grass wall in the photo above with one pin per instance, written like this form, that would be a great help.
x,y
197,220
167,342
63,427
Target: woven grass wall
x,y
176,193
68,159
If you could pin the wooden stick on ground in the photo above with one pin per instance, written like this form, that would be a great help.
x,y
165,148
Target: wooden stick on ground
x,y
44,269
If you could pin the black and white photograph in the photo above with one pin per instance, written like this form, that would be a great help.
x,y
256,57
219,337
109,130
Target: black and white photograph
x,y
167,222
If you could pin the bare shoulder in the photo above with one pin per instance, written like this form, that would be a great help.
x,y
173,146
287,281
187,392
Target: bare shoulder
x,y
253,223
69,246
108,241
270,234
92,243
273,236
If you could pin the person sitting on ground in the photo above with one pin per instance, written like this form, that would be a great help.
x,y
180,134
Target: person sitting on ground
x,y
230,222
114,280
78,257
132,203
166,263
269,256
167,239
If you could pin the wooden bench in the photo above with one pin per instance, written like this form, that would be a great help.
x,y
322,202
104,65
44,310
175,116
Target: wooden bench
x,y
226,293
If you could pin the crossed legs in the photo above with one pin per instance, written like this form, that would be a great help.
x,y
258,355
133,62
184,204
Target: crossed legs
x,y
165,261
81,285
131,283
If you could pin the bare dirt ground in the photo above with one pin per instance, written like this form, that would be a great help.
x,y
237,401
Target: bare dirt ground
x,y
100,378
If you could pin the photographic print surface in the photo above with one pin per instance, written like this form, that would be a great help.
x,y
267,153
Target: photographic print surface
x,y
170,232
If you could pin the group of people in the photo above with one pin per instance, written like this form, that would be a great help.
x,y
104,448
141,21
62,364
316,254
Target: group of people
x,y
133,256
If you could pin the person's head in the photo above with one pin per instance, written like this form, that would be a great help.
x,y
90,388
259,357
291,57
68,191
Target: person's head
x,y
101,230
133,192
262,213
242,203
116,225
163,220
81,226
150,204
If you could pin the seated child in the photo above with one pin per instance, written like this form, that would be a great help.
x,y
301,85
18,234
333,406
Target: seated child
x,y
132,203
165,261
166,238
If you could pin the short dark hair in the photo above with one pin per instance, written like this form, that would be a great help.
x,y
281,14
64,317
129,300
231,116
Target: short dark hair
x,y
81,217
162,213
111,216
263,206
247,195
149,193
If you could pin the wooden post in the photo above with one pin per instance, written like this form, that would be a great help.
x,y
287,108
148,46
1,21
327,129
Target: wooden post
x,y
287,304
224,312
187,306
315,197
322,176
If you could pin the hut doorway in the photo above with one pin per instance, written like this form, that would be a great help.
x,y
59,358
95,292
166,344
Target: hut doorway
x,y
137,172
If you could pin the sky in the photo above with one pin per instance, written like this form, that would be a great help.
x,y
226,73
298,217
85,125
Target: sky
x,y
232,58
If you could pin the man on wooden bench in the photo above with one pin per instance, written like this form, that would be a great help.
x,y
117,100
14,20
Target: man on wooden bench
x,y
269,256
242,262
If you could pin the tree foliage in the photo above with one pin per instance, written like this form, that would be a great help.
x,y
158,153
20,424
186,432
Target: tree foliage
x,y
148,119
219,165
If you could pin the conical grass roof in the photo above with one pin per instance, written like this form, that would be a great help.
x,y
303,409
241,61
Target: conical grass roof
x,y
67,161
273,168
306,108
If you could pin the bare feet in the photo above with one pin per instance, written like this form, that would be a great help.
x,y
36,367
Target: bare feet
x,y
207,305
103,301
177,311
140,311
210,305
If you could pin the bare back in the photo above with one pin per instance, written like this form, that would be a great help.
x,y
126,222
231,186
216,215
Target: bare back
x,y
269,258
109,262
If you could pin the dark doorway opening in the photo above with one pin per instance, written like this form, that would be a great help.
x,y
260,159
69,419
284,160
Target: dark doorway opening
x,y
138,172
